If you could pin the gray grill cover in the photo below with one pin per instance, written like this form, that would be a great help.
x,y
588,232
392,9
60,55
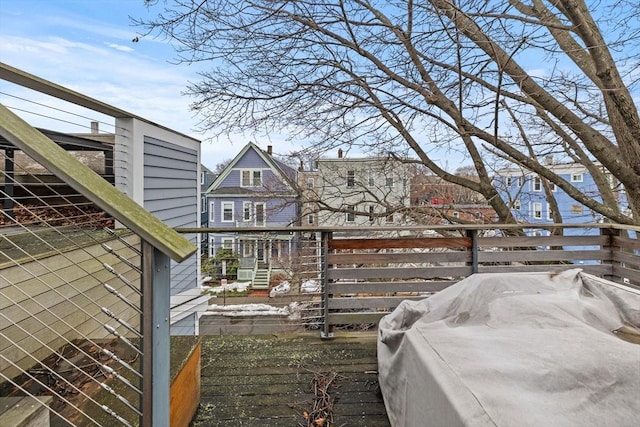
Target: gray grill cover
x,y
530,349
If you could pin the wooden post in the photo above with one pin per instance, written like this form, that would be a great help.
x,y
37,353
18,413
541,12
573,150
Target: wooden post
x,y
610,247
325,332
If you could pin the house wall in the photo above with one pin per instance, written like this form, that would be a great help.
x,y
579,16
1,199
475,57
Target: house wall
x,y
206,178
270,181
332,188
275,192
170,172
160,169
278,211
72,284
522,188
184,326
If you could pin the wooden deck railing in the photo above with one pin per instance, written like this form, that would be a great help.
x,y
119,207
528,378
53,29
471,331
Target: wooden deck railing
x,y
366,272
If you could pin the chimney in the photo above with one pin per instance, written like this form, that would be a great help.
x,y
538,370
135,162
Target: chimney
x,y
339,153
270,149
95,128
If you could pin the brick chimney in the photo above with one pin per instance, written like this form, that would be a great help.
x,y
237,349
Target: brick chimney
x,y
95,129
339,153
270,149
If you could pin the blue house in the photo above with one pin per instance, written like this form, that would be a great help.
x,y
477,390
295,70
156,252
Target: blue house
x,y
254,190
206,179
525,193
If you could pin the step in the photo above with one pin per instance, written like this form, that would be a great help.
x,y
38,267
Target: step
x,y
24,411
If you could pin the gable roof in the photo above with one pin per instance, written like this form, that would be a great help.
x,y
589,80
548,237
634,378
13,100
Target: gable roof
x,y
281,170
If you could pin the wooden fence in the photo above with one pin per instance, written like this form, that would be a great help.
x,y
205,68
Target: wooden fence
x,y
365,278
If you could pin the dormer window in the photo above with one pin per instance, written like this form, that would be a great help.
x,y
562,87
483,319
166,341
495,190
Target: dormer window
x,y
577,177
251,178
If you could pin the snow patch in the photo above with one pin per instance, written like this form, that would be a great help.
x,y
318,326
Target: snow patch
x,y
233,286
310,286
283,288
246,310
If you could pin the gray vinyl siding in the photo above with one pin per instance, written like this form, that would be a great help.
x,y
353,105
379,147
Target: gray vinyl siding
x,y
186,326
251,160
171,185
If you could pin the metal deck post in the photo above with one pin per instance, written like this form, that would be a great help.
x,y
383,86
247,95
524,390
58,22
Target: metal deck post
x,y
156,282
473,234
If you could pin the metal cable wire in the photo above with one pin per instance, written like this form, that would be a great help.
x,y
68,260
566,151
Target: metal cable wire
x,y
78,221
54,373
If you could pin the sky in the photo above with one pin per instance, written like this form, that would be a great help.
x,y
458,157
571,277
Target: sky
x,y
87,46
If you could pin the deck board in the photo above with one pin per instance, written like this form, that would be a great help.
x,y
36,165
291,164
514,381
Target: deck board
x,y
265,380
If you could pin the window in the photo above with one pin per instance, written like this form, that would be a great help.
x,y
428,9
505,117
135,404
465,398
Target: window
x,y
351,214
251,178
310,219
372,209
520,181
203,204
351,178
247,248
456,215
553,187
260,214
389,181
246,211
246,179
310,183
537,210
577,177
389,217
203,178
227,243
227,211
372,180
509,181
478,215
212,245
549,212
537,184
516,204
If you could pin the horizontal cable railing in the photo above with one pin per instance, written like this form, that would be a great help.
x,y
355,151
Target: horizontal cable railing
x,y
262,283
70,301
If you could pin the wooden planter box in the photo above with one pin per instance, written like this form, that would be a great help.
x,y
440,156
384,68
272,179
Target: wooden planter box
x,y
185,379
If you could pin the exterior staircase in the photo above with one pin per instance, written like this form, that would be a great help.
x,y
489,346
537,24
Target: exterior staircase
x,y
261,276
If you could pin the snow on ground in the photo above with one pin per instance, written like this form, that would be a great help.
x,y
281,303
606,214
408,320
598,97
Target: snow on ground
x,y
233,286
247,310
310,286
283,288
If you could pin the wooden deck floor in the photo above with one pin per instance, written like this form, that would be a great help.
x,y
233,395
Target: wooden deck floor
x,y
266,380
